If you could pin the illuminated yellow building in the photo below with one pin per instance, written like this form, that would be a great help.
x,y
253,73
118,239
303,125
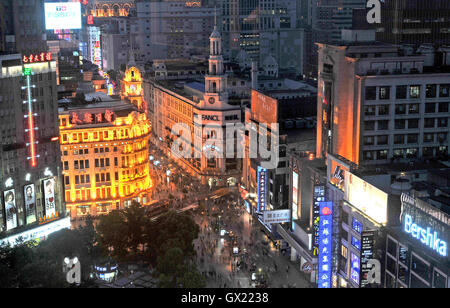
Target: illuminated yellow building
x,y
131,88
104,148
109,8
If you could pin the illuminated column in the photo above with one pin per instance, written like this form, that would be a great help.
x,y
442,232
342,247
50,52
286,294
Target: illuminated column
x,y
30,118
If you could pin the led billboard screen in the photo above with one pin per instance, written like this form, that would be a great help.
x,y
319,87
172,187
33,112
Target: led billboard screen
x,y
62,15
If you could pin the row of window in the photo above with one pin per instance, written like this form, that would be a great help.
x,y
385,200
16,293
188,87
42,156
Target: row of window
x,y
403,108
401,123
405,91
408,153
410,138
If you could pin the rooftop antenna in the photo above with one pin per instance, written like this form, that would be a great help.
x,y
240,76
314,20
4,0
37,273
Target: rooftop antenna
x,y
215,17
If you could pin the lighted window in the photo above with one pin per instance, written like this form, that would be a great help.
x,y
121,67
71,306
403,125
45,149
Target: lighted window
x,y
414,91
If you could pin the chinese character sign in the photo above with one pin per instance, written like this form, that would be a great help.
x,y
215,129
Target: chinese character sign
x,y
325,244
319,196
262,179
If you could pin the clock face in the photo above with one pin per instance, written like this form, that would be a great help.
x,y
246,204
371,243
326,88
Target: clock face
x,y
211,100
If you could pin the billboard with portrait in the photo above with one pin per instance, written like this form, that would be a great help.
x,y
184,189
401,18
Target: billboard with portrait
x,y
62,15
10,209
49,197
30,203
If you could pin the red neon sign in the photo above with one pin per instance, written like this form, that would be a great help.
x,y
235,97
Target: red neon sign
x,y
32,147
35,58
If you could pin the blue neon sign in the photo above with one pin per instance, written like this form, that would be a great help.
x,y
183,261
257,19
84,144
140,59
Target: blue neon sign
x,y
426,236
325,234
354,268
262,184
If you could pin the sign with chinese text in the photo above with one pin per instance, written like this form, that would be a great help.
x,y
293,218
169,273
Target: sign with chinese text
x,y
36,58
277,216
92,118
367,239
319,196
325,244
262,184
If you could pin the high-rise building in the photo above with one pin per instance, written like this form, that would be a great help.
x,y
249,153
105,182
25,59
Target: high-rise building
x,y
22,27
30,176
379,103
173,29
415,22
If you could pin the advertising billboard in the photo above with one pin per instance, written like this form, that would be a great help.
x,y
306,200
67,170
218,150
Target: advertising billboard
x,y
325,244
335,172
30,203
318,196
354,268
367,239
262,184
10,209
264,108
95,46
62,15
49,196
366,198
277,216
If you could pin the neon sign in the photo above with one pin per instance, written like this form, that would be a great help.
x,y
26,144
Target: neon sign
x,y
426,236
325,233
262,183
36,58
29,116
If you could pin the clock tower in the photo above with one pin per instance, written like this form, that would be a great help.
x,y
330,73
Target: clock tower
x,y
215,81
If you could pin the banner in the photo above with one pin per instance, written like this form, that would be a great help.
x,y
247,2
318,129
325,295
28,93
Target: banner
x,y
10,209
30,203
49,194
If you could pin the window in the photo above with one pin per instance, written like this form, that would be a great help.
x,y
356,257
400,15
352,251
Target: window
x,y
439,280
401,92
442,137
414,91
66,165
369,125
382,154
369,110
411,152
77,179
400,109
421,268
428,123
392,248
368,155
344,234
390,281
413,123
403,274
403,254
428,151
67,180
428,137
442,122
382,125
381,140
356,243
368,140
412,138
444,90
430,90
430,107
384,93
344,251
383,110
399,124
357,226
345,217
371,93
399,139
443,107
413,108
399,153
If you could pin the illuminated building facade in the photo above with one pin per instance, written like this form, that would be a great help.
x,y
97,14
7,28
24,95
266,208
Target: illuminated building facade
x,y
132,88
104,149
109,8
197,103
380,103
30,176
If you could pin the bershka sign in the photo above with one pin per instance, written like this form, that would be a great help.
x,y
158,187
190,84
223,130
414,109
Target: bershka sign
x,y
426,236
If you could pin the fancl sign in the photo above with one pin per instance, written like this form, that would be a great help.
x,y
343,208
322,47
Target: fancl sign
x,y
426,235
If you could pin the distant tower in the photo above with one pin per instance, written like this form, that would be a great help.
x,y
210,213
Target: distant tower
x,y
215,81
